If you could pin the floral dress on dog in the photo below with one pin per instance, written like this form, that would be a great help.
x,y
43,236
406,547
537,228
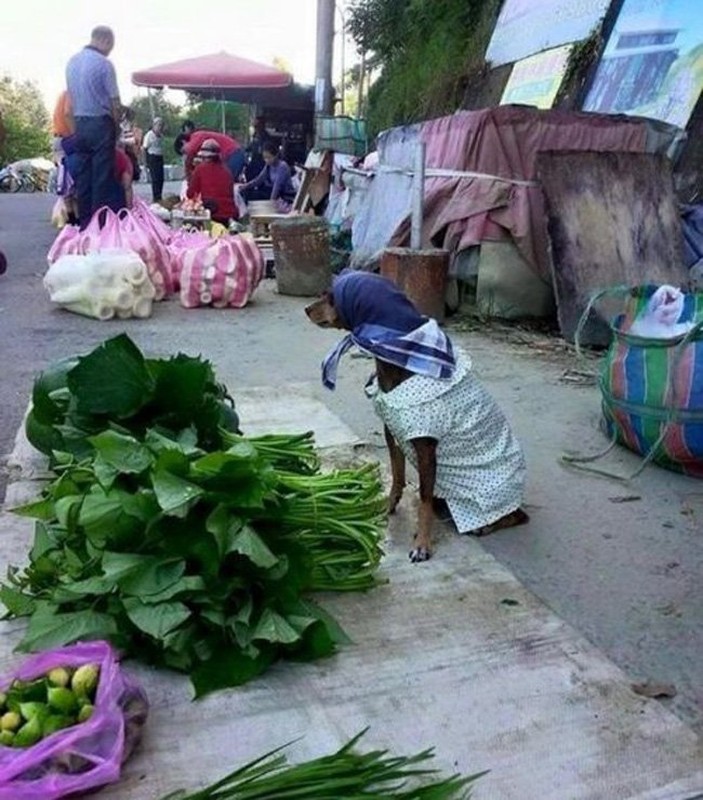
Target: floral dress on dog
x,y
480,464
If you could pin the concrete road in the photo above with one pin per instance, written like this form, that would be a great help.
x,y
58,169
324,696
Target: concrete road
x,y
621,563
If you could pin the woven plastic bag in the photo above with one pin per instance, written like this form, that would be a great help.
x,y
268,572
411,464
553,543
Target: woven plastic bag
x,y
222,272
84,756
652,387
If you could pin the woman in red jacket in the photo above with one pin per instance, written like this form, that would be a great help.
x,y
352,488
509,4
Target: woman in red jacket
x,y
214,183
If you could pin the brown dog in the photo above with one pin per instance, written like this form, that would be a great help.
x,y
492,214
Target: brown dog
x,y
323,313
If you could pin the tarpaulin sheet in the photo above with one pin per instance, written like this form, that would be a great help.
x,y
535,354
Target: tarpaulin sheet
x,y
502,145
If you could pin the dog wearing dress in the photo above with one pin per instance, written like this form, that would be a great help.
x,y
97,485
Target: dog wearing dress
x,y
435,412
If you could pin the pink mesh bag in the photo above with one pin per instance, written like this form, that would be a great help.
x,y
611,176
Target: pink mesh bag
x,y
85,756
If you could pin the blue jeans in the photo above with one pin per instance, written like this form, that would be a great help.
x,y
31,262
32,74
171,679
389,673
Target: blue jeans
x,y
94,165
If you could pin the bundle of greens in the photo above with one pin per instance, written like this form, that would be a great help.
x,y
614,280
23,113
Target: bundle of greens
x,y
344,774
115,384
192,547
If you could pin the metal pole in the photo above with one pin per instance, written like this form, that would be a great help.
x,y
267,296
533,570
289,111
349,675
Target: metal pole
x,y
343,34
418,196
323,62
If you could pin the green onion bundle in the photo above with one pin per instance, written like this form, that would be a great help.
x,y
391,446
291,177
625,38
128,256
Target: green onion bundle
x,y
344,775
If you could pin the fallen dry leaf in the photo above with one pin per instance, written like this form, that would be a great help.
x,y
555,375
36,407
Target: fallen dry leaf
x,y
652,689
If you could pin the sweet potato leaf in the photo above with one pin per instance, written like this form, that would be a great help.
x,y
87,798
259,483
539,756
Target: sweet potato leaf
x,y
247,542
113,379
37,509
16,603
54,630
104,519
272,627
123,453
176,496
140,575
229,667
159,620
189,584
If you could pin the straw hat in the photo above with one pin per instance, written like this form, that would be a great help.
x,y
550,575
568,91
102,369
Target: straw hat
x,y
210,148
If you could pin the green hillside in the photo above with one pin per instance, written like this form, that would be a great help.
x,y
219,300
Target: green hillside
x,y
425,52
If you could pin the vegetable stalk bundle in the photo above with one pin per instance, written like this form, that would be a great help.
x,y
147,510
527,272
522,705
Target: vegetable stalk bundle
x,y
345,774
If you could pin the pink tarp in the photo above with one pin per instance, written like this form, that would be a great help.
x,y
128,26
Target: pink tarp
x,y
216,71
504,142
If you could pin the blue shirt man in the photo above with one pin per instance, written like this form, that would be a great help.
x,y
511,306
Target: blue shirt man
x,y
95,100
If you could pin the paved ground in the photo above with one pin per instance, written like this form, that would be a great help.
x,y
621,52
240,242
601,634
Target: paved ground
x,y
624,574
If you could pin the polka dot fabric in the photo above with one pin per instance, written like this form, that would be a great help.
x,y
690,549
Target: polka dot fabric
x,y
480,465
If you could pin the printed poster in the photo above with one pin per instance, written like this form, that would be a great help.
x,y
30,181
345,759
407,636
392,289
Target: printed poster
x,y
653,63
535,81
526,27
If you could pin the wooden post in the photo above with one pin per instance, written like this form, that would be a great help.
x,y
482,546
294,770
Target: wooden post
x,y
418,196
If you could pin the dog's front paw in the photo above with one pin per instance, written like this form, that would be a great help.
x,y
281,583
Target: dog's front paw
x,y
418,554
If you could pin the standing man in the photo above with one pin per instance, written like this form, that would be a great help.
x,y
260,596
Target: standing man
x,y
154,150
95,100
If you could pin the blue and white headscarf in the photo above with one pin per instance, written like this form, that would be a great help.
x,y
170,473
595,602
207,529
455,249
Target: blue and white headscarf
x,y
366,303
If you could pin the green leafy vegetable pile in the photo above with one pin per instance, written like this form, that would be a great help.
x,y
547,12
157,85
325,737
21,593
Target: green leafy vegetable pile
x,y
183,542
344,774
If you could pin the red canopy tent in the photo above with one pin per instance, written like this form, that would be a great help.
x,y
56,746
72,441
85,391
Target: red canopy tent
x,y
213,74
224,77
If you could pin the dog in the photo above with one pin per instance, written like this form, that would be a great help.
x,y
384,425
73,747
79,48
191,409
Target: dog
x,y
325,313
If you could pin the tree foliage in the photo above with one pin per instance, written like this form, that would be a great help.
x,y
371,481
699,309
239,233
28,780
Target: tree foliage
x,y
25,119
423,50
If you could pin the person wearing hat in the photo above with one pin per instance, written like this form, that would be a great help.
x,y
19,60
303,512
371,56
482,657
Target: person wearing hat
x,y
153,147
213,182
230,150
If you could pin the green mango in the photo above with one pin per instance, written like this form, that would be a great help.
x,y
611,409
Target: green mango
x,y
31,710
59,677
55,723
10,721
7,738
63,700
27,692
30,733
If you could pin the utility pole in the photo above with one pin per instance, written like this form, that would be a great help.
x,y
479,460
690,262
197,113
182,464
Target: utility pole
x,y
323,64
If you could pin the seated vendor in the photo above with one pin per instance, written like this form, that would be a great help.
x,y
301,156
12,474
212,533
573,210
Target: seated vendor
x,y
232,154
274,182
214,183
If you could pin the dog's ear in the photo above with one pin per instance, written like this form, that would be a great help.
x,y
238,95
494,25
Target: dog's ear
x,y
327,296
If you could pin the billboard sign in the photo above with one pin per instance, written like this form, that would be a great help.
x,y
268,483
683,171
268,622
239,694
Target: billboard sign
x,y
652,65
535,81
526,27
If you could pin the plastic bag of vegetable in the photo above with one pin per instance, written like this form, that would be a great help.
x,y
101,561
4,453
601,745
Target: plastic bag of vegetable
x,y
79,745
103,285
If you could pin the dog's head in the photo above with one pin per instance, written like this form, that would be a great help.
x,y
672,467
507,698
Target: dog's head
x,y
323,312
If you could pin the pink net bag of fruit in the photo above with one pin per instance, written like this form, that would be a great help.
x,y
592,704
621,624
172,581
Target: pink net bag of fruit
x,y
70,719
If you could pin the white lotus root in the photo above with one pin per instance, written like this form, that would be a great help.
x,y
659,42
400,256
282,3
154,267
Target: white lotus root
x,y
103,284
